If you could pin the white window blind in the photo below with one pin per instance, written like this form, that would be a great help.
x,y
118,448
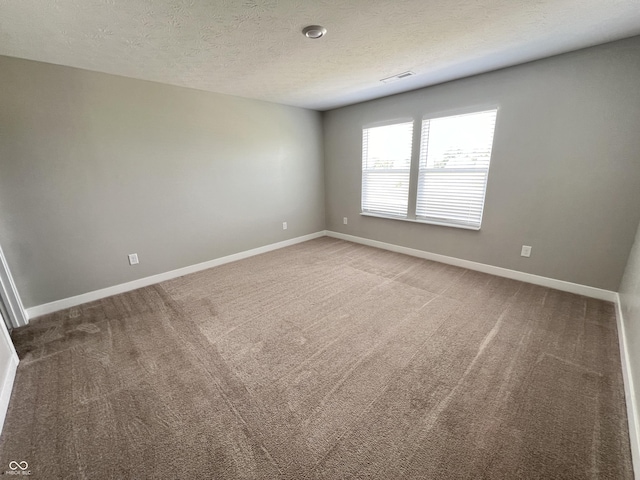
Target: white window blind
x,y
386,164
455,153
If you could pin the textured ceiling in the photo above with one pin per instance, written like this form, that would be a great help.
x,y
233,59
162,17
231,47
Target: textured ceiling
x,y
254,48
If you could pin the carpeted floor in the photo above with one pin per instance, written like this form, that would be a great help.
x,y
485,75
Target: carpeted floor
x,y
325,360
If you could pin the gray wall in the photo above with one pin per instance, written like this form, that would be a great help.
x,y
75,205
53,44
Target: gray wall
x,y
93,167
630,305
565,172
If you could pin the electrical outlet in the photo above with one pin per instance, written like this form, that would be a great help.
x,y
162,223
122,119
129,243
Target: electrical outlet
x,y
526,251
284,225
133,259
344,220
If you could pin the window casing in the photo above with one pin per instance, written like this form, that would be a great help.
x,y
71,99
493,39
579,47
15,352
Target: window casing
x,y
449,176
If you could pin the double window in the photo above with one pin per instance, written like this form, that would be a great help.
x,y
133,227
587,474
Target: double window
x,y
451,176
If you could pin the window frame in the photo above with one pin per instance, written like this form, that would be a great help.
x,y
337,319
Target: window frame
x,y
415,163
387,123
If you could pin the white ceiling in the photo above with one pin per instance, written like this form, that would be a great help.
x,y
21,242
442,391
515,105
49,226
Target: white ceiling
x,y
255,49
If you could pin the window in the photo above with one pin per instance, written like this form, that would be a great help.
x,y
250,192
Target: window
x,y
454,166
386,165
449,180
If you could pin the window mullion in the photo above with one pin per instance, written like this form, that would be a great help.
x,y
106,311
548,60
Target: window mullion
x,y
415,170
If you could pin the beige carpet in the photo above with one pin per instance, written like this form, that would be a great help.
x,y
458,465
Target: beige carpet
x,y
324,360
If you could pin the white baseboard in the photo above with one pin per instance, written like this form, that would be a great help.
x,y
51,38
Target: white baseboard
x,y
629,391
7,388
482,267
161,277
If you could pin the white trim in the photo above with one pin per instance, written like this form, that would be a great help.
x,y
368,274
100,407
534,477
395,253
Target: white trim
x,y
629,391
482,267
161,277
418,220
9,293
7,388
10,374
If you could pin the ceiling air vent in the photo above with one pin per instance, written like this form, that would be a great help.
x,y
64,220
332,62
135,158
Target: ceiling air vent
x,y
397,77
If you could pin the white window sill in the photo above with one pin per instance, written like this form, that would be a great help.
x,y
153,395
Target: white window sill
x,y
413,220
